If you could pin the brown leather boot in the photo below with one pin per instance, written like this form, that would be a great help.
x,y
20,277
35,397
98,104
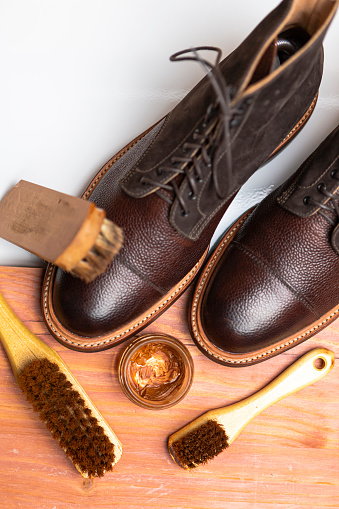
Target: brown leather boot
x,y
273,280
169,188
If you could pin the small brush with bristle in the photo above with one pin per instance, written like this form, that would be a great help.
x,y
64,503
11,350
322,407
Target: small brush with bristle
x,y
211,433
67,231
58,398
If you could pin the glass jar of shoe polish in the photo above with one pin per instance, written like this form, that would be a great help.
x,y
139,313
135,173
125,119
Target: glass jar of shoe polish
x,y
156,371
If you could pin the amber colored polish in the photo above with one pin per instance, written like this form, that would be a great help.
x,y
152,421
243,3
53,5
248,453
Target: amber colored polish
x,y
156,371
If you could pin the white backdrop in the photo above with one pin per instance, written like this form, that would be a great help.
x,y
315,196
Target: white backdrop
x,y
81,78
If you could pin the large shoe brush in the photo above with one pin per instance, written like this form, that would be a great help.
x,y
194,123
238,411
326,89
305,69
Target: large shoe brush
x,y
59,399
69,232
211,433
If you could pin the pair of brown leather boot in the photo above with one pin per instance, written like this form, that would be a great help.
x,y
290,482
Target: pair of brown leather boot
x,y
169,188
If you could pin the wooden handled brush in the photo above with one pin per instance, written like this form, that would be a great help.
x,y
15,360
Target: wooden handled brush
x,y
69,232
59,399
210,434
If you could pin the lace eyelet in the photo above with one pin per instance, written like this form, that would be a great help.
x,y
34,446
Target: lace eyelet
x,y
195,134
184,213
198,179
159,171
321,186
306,200
192,196
334,174
249,100
234,122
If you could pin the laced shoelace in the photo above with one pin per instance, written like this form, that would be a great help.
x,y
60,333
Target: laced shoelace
x,y
324,208
214,138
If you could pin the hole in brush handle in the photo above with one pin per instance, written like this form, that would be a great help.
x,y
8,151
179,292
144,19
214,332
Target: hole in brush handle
x,y
320,363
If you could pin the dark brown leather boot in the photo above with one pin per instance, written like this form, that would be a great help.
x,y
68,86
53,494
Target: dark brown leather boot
x,y
273,280
169,188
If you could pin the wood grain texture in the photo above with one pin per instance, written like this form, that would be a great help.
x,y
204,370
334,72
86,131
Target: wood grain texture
x,y
287,457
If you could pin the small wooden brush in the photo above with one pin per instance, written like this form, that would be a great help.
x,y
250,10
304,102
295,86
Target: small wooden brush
x,y
69,232
59,399
211,433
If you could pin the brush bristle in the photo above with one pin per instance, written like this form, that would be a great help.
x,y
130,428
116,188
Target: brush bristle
x,y
107,245
65,414
200,445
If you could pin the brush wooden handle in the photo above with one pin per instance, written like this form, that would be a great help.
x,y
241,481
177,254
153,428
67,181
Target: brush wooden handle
x,y
69,232
46,222
22,347
20,344
233,418
305,371
310,368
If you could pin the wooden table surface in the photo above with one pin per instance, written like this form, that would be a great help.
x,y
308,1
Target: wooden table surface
x,y
287,457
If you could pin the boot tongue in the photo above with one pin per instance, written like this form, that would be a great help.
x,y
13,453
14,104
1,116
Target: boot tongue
x,y
267,64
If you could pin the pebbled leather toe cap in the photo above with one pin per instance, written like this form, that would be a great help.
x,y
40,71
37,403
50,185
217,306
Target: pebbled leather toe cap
x,y
248,305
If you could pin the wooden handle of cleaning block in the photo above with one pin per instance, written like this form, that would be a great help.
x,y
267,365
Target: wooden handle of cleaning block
x,y
67,231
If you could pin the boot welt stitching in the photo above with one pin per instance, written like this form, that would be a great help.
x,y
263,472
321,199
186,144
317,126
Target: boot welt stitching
x,y
272,350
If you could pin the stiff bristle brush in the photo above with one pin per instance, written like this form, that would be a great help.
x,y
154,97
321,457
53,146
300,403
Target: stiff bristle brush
x,y
58,398
211,433
67,231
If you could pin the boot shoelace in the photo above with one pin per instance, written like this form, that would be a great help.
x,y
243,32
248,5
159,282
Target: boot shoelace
x,y
324,209
214,140
206,145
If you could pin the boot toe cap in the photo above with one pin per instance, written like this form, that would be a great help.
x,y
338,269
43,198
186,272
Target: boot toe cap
x,y
103,306
247,306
